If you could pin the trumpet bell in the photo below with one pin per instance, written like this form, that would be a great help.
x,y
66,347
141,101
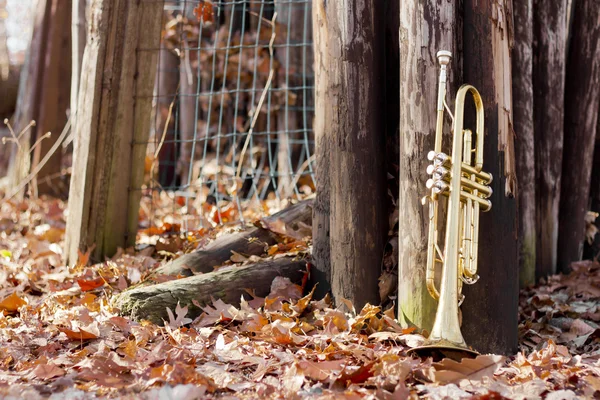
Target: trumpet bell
x,y
442,348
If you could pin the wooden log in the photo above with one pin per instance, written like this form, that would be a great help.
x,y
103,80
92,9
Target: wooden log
x,y
490,309
113,124
524,146
582,98
358,223
549,41
229,285
249,242
321,269
419,73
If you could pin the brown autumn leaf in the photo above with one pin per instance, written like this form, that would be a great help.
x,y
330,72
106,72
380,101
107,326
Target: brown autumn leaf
x,y
80,334
53,235
92,284
448,371
321,370
12,303
48,371
358,374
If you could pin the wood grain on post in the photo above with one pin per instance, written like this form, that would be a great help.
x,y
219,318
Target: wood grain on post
x,y
490,309
549,41
419,72
355,139
321,271
524,146
113,124
582,97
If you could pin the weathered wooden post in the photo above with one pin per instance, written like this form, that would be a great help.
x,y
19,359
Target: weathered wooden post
x,y
549,43
582,97
321,271
524,140
55,94
113,124
351,100
490,309
43,94
418,101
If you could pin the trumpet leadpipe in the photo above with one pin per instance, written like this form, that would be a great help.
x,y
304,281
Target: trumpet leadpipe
x,y
445,161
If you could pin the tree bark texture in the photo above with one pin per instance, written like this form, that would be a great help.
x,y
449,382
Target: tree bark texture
x,y
321,270
229,285
524,146
490,309
592,250
582,97
78,40
392,100
248,242
549,41
113,124
354,68
425,28
55,94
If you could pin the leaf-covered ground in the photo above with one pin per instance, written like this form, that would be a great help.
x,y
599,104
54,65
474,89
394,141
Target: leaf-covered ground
x,y
60,337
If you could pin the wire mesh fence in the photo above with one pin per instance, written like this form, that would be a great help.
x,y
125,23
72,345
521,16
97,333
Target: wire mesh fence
x,y
233,109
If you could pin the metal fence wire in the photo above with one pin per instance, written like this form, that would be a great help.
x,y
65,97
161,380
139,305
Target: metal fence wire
x,y
233,110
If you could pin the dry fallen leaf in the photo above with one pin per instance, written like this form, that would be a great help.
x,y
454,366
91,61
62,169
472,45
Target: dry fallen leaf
x,y
80,334
448,370
12,303
48,371
87,285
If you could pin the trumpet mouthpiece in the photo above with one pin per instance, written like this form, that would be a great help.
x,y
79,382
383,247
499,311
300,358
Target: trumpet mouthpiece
x,y
444,57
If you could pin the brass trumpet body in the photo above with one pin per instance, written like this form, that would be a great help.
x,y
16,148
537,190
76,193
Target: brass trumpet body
x,y
459,179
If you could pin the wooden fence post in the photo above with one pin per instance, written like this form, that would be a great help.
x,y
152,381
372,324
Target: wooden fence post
x,y
113,124
30,89
321,271
581,114
549,42
524,146
424,30
355,140
54,97
490,310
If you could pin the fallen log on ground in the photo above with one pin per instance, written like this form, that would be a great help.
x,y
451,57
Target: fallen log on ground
x,y
248,242
151,302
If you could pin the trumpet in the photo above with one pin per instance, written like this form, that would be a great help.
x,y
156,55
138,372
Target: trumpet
x,y
459,178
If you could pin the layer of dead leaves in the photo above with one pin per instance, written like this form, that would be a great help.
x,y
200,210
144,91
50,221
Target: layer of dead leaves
x,y
60,338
